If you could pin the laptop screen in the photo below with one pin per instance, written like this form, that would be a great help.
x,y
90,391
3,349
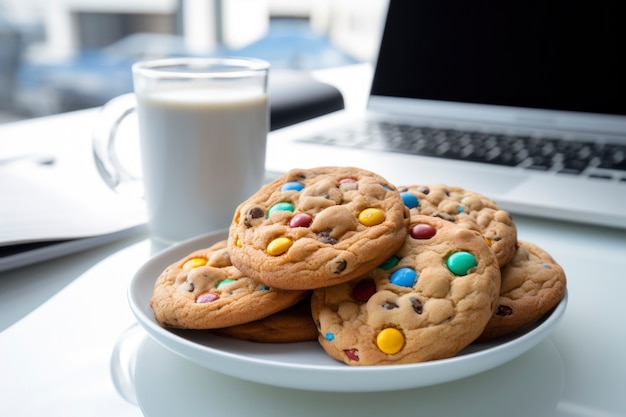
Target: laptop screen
x,y
552,54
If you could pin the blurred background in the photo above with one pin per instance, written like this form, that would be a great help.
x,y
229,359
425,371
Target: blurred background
x,y
63,55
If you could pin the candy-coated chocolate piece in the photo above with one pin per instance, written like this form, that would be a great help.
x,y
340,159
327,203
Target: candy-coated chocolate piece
x,y
206,297
282,206
329,336
390,263
390,341
409,200
279,246
371,217
225,282
364,289
352,354
292,186
194,263
460,263
403,277
422,231
347,180
300,220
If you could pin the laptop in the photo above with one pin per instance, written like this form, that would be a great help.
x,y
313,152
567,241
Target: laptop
x,y
524,102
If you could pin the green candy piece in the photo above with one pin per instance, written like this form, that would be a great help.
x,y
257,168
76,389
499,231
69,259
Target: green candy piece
x,y
225,282
459,263
390,263
283,206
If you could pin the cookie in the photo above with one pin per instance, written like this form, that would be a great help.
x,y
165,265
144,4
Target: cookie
x,y
294,324
467,208
533,283
428,301
317,227
205,291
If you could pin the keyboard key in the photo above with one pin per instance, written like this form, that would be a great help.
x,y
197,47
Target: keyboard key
x,y
614,157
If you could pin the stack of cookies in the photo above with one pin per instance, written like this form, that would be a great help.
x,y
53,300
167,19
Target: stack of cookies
x,y
377,273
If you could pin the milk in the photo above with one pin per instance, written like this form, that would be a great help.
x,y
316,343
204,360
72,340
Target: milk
x,y
188,134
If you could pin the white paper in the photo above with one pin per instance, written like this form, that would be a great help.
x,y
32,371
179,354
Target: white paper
x,y
58,202
43,203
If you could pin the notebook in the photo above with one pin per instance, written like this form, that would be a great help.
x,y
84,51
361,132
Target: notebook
x,y
524,102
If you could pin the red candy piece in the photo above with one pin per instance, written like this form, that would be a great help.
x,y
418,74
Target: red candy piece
x,y
364,289
352,354
423,231
300,220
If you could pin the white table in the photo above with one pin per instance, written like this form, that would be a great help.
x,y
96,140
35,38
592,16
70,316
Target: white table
x,y
59,322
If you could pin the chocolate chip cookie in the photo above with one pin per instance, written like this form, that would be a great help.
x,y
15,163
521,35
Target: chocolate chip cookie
x,y
533,283
205,291
317,227
468,208
294,324
428,301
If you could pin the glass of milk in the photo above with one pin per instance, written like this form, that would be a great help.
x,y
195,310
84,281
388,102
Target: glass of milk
x,y
203,126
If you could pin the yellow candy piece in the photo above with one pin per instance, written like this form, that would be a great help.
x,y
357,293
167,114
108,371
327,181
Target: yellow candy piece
x,y
487,241
238,243
279,246
390,341
194,263
371,217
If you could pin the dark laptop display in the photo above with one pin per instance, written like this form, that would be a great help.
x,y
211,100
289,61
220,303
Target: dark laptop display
x,y
557,54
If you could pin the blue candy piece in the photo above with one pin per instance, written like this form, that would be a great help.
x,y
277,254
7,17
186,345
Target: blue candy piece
x,y
329,336
403,277
409,200
292,186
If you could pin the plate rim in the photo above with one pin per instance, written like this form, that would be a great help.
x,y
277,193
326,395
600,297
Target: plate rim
x,y
345,378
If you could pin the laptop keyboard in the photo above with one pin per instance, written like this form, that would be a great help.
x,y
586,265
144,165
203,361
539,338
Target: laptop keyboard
x,y
605,161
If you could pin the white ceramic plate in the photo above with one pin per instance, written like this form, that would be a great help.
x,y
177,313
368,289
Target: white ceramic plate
x,y
305,365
